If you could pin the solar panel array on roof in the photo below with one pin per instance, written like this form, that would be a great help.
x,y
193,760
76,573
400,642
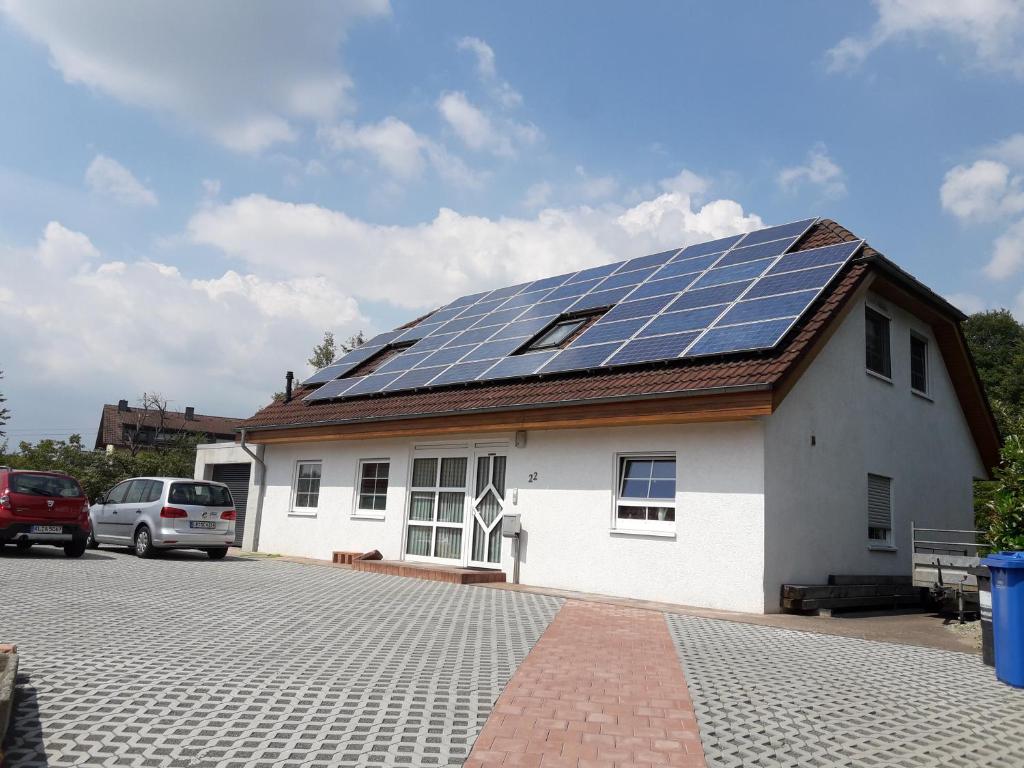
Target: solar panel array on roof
x,y
736,294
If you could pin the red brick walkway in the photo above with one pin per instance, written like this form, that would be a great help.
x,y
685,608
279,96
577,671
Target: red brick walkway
x,y
602,689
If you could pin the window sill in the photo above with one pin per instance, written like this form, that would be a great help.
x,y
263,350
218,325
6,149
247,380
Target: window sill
x,y
302,513
879,376
881,548
922,395
636,532
366,516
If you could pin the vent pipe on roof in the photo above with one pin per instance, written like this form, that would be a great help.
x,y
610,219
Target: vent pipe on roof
x,y
289,377
190,413
122,406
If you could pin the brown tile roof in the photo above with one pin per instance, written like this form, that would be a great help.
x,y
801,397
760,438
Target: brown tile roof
x,y
758,370
113,423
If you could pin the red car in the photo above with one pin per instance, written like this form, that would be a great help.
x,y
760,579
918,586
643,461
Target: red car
x,y
43,508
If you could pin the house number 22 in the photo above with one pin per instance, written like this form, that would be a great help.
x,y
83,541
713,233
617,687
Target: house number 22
x,y
532,478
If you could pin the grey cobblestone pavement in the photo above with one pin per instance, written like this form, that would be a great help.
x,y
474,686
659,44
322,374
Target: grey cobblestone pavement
x,y
186,662
772,697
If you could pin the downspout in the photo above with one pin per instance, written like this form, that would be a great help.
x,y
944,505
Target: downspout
x,y
258,458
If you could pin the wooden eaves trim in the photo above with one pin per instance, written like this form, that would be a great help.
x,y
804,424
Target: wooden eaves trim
x,y
729,406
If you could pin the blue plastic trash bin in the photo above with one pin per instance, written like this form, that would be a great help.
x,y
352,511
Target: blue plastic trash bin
x,y
1008,615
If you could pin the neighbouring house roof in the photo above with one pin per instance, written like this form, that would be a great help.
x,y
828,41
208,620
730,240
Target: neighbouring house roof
x,y
114,422
769,373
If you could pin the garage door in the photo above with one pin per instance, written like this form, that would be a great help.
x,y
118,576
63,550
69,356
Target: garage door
x,y
236,478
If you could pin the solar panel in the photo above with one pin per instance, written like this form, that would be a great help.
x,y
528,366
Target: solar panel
x,y
689,320
733,294
574,358
655,348
520,365
817,277
615,331
739,338
416,378
461,372
786,305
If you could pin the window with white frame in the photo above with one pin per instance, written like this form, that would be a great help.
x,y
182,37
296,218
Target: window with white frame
x,y
918,364
646,496
307,485
879,510
373,485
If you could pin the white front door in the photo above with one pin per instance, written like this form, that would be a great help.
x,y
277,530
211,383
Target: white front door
x,y
444,522
488,507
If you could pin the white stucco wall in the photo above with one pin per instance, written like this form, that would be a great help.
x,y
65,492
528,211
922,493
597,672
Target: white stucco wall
x,y
567,512
816,496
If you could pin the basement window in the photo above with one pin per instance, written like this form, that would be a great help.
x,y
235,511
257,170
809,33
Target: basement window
x,y
879,511
562,332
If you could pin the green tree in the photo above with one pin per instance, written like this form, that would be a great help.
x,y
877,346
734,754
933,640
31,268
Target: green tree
x,y
327,351
996,341
98,471
355,340
324,352
4,415
999,509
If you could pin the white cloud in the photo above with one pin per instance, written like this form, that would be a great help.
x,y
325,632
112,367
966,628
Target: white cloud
x,y
500,90
595,187
420,266
62,250
686,182
991,30
537,195
398,149
991,191
819,171
1007,253
480,132
105,176
245,72
982,191
78,316
394,144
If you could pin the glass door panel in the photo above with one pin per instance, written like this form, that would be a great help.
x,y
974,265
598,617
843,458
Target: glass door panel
x,y
437,508
488,506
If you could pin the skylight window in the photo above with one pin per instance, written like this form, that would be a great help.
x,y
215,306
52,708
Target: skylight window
x,y
562,332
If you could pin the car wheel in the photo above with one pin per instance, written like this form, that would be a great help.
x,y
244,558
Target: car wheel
x,y
23,545
144,543
75,548
91,541
217,554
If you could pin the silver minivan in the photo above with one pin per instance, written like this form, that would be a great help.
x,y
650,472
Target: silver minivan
x,y
151,513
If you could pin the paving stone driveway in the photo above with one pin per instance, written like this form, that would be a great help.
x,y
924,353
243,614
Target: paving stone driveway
x,y
765,696
181,661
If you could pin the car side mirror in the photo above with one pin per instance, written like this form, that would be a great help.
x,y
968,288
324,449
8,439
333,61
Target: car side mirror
x,y
101,499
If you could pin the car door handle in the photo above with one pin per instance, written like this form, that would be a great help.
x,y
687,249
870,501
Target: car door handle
x,y
138,511
114,512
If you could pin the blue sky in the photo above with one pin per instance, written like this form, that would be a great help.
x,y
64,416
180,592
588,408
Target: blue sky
x,y
190,195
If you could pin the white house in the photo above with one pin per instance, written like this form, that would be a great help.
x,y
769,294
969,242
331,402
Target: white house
x,y
762,452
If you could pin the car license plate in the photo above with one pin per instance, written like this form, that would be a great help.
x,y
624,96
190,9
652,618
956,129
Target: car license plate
x,y
201,524
47,529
